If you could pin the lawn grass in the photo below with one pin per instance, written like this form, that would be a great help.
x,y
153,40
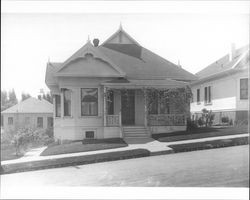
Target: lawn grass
x,y
8,152
209,144
72,161
85,145
204,132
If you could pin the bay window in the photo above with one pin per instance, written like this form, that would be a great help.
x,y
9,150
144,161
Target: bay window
x,y
89,102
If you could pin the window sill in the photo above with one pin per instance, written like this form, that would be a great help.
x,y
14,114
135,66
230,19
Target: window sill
x,y
67,117
208,104
90,116
243,99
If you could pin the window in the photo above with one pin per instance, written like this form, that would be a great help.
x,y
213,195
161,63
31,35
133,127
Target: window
x,y
2,120
198,95
58,105
89,102
110,103
89,134
159,105
39,122
67,102
207,93
244,88
50,122
164,106
10,121
153,104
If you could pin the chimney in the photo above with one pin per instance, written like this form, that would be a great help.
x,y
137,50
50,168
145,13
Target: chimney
x,y
96,42
232,52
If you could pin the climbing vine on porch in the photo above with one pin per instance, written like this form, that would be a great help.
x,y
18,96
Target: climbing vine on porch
x,y
180,97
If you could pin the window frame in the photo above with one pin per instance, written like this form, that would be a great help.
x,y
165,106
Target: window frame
x,y
2,120
207,95
198,100
37,122
98,101
70,100
158,102
11,120
48,119
111,104
246,98
58,111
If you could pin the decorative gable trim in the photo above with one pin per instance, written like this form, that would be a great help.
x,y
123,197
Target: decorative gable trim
x,y
83,52
116,34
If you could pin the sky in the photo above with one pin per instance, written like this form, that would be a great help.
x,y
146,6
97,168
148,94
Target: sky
x,y
193,33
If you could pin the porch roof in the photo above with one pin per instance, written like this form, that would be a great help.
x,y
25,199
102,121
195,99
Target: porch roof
x,y
133,84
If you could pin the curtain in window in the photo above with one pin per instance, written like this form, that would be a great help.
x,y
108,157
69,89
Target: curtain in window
x,y
89,102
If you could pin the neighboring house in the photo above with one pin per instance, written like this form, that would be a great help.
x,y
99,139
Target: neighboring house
x,y
223,87
30,113
98,92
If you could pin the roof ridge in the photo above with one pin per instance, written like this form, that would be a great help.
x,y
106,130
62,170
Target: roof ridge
x,y
220,61
118,31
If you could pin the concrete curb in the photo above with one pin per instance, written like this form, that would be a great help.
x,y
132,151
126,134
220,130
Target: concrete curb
x,y
72,161
27,166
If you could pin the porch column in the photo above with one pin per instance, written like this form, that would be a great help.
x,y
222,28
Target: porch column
x,y
145,109
62,104
104,106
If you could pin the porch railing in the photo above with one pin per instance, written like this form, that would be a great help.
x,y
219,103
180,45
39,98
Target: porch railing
x,y
113,120
166,120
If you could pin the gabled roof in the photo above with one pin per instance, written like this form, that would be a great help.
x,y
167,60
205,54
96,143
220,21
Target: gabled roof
x,y
126,57
148,66
89,49
241,56
31,105
50,72
120,36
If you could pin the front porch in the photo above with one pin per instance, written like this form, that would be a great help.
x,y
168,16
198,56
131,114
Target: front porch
x,y
134,110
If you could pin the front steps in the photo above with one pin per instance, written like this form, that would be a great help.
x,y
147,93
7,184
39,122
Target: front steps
x,y
135,132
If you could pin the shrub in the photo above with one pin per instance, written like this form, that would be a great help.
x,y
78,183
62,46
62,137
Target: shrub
x,y
207,117
225,119
231,122
200,121
27,137
191,125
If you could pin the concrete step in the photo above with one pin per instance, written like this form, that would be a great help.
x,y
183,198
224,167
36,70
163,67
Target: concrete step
x,y
136,135
135,132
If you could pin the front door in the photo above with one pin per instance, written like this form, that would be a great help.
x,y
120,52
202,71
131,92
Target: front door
x,y
128,107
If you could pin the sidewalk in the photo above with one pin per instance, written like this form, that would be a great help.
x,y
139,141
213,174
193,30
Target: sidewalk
x,y
155,147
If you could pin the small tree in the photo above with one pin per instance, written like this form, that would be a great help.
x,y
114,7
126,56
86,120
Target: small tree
x,y
25,96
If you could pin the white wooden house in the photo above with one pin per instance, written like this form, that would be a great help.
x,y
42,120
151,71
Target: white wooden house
x,y
99,92
222,87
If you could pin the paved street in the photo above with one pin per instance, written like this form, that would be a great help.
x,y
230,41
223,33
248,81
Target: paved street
x,y
214,168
